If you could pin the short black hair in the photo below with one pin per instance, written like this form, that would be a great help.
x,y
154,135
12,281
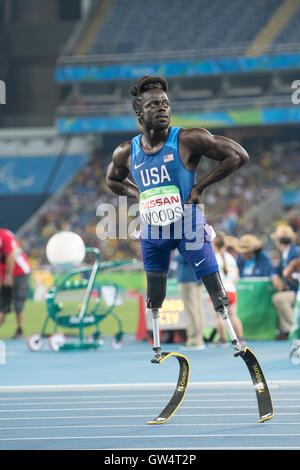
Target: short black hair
x,y
145,83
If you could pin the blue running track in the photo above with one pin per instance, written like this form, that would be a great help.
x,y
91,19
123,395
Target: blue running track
x,y
102,399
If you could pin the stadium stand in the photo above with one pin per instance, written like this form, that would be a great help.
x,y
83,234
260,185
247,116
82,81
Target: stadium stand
x,y
34,164
216,30
290,33
75,208
212,33
204,26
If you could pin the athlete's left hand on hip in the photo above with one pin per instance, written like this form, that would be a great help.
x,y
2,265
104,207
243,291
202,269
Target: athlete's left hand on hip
x,y
195,196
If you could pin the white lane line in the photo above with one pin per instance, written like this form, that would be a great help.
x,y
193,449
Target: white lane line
x,y
135,386
127,416
125,395
96,426
135,408
152,436
185,406
188,395
153,400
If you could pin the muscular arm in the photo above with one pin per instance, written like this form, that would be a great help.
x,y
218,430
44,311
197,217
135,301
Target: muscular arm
x,y
118,170
229,154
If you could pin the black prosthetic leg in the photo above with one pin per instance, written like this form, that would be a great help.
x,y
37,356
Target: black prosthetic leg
x,y
219,298
217,293
156,292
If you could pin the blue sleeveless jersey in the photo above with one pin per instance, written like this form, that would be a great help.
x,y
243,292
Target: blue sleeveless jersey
x,y
163,181
164,185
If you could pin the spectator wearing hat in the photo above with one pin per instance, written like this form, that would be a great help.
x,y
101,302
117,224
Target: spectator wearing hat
x,y
253,261
284,299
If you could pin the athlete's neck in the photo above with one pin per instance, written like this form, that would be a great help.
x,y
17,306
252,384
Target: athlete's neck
x,y
152,140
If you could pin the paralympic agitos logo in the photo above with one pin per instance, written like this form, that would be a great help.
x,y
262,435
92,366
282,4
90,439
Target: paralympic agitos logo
x,y
2,92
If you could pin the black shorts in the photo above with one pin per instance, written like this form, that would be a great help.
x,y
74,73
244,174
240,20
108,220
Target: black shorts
x,y
15,295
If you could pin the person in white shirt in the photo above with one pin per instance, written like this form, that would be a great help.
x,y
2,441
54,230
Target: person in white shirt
x,y
229,274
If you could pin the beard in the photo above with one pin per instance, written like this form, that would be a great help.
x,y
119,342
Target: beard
x,y
160,124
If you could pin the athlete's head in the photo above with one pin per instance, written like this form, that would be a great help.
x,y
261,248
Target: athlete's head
x,y
151,102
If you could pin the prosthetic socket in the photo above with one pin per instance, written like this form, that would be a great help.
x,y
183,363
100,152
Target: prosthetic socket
x,y
216,291
157,283
156,288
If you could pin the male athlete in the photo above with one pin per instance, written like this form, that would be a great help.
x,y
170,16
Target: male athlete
x,y
163,161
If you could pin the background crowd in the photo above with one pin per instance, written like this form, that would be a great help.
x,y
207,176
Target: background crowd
x,y
225,205
257,250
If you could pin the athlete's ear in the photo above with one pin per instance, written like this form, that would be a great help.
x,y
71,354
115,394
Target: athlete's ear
x,y
139,117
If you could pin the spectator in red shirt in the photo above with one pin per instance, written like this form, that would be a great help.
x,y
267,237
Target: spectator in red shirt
x,y
14,272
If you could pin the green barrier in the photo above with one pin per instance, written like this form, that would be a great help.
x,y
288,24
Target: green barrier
x,y
255,308
128,280
135,280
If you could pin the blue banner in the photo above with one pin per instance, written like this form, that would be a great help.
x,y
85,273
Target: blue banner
x,y
95,124
72,73
239,118
291,197
29,175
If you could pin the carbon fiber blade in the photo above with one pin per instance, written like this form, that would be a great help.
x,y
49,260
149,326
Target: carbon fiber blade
x,y
264,400
180,390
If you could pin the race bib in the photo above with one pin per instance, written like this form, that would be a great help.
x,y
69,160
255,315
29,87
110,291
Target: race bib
x,y
161,206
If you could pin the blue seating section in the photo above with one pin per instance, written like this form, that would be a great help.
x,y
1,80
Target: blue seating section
x,y
174,25
290,34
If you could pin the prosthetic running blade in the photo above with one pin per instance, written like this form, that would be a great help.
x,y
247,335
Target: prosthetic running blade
x,y
181,387
264,400
263,396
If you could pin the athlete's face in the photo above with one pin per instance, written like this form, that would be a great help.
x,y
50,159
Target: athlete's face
x,y
155,110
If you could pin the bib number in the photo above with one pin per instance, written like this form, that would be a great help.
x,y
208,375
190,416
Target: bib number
x,y
161,206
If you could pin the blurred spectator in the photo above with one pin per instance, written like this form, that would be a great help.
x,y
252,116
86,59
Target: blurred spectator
x,y
14,271
253,261
75,208
284,298
226,204
191,292
293,218
292,273
232,246
229,274
42,280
